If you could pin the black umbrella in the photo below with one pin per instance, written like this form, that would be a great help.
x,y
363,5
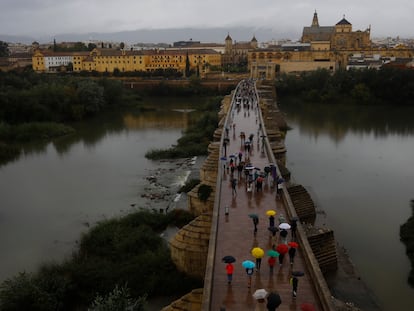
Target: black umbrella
x,y
273,301
298,273
228,259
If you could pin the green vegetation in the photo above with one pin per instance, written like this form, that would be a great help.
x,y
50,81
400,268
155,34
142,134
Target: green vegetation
x,y
195,139
36,107
4,49
371,86
407,237
126,252
204,192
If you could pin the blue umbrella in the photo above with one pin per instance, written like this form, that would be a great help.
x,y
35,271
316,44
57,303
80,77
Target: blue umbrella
x,y
248,264
223,158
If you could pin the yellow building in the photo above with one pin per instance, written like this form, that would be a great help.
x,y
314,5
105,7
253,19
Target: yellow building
x,y
109,60
338,37
327,47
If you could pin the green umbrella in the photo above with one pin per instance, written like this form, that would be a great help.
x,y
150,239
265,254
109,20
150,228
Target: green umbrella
x,y
253,216
272,253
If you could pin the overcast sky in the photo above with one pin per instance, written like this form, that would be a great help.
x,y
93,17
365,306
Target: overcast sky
x,y
51,17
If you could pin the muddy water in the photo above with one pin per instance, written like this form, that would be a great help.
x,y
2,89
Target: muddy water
x,y
358,165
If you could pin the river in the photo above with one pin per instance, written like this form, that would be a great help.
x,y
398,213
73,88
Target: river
x,y
56,191
356,162
358,165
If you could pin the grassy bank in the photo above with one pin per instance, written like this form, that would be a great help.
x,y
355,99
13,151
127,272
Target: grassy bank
x,y
126,251
195,139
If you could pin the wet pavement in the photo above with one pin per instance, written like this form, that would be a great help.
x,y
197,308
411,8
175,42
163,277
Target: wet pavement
x,y
236,233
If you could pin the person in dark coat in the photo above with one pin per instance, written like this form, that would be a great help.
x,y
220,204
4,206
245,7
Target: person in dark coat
x,y
271,221
255,223
293,227
292,253
294,282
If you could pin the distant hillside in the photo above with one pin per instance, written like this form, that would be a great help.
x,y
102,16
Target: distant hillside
x,y
209,35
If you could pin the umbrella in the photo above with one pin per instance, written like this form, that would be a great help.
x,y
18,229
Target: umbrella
x,y
298,273
273,229
223,158
253,216
284,225
260,293
248,264
270,212
307,307
232,156
282,249
273,300
293,244
257,252
249,167
272,253
228,259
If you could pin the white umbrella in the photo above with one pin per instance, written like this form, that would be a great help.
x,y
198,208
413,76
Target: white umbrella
x,y
260,293
284,225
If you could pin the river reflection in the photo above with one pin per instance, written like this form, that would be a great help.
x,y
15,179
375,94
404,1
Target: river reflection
x,y
357,163
54,191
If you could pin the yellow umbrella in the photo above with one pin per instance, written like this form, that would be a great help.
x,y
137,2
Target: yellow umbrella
x,y
271,212
257,252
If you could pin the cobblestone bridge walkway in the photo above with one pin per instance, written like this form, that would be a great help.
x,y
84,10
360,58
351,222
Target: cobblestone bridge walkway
x,y
236,231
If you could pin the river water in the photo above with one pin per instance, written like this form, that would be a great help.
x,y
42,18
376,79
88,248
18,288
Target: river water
x,y
358,165
356,162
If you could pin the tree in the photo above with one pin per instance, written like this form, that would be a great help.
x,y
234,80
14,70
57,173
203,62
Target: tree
x,y
187,66
91,46
118,300
91,96
4,49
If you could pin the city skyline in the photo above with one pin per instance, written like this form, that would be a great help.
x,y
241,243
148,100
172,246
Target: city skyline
x,y
50,18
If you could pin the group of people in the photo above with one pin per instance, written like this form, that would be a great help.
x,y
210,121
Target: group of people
x,y
240,163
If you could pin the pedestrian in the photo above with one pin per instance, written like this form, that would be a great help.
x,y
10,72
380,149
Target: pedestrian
x,y
258,263
281,257
293,227
229,270
233,186
240,167
240,156
292,253
255,223
271,221
283,236
249,272
294,282
282,219
271,261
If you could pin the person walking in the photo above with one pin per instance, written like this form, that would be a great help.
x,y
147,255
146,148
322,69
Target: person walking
x,y
258,263
281,257
229,271
294,282
283,236
255,223
249,272
233,186
292,253
271,261
271,221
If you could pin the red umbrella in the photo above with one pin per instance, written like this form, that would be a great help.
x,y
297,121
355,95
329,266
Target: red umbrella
x,y
293,244
307,307
282,249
